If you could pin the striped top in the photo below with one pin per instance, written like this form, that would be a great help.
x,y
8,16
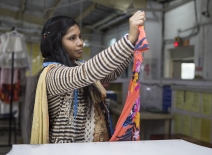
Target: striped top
x,y
61,81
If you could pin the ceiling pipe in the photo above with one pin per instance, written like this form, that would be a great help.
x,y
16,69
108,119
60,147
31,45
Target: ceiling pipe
x,y
128,10
116,20
110,20
65,5
176,5
133,10
24,30
145,9
101,22
166,9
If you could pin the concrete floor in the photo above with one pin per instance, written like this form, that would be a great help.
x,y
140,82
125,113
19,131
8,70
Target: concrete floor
x,y
4,141
4,138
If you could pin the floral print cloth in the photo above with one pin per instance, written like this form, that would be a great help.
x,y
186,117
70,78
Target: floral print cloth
x,y
128,125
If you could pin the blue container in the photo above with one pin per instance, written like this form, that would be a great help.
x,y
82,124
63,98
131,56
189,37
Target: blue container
x,y
111,95
167,98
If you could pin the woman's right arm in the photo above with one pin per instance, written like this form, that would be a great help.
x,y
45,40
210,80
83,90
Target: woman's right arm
x,y
62,79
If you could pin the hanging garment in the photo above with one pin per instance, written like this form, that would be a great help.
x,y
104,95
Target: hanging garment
x,y
13,42
128,125
5,91
6,75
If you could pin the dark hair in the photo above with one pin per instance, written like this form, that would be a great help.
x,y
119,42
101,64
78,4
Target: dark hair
x,y
51,39
53,51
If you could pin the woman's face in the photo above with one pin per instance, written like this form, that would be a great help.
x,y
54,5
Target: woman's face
x,y
73,43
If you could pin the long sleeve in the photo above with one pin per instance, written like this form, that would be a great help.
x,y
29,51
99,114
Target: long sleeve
x,y
61,79
116,73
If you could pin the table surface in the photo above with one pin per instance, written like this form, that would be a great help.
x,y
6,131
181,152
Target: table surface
x,y
156,147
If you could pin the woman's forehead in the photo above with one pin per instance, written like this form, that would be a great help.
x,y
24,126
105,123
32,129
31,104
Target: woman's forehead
x,y
73,29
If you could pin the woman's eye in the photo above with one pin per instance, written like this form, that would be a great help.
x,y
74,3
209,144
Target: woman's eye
x,y
72,38
80,37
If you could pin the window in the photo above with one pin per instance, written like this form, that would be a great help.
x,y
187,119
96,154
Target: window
x,y
187,70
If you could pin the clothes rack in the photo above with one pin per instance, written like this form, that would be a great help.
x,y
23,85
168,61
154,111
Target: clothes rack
x,y
11,100
11,117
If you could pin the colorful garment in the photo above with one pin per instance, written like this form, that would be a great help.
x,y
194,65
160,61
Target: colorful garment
x,y
6,75
128,125
5,89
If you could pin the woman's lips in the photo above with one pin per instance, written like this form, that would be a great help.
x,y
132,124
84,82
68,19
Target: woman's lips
x,y
79,51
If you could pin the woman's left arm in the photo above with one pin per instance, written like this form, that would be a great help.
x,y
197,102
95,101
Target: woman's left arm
x,y
118,72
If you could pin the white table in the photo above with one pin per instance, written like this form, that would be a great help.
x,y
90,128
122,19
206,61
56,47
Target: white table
x,y
158,147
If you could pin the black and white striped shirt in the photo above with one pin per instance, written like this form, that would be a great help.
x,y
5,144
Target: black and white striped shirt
x,y
61,82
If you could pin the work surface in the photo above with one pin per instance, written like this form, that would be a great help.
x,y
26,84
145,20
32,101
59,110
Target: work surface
x,y
162,147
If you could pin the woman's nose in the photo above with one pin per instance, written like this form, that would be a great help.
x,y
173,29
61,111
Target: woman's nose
x,y
80,42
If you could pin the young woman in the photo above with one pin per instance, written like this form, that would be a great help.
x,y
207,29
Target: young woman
x,y
75,96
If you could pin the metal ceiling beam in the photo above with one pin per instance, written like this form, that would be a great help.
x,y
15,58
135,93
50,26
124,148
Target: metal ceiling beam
x,y
122,5
133,10
23,30
171,7
137,5
51,12
26,17
65,5
30,18
23,8
168,8
101,22
116,20
115,4
86,12
110,4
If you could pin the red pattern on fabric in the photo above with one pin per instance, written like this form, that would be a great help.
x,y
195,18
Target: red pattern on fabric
x,y
5,91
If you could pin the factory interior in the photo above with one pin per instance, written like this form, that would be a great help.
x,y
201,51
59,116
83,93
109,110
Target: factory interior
x,y
173,83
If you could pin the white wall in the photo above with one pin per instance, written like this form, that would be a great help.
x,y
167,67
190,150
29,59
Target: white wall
x,y
183,18
153,29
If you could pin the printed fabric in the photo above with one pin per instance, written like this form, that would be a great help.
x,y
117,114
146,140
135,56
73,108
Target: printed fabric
x,y
128,125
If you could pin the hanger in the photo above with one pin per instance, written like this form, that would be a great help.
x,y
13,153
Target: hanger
x,y
13,31
13,28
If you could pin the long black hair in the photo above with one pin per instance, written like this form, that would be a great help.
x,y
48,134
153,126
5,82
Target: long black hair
x,y
51,40
53,51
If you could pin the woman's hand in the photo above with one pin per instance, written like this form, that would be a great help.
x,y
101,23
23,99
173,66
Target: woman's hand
x,y
134,22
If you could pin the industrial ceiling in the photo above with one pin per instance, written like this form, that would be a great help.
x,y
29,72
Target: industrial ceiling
x,y
28,16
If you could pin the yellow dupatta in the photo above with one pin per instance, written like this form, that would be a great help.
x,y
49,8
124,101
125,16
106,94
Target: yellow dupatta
x,y
40,123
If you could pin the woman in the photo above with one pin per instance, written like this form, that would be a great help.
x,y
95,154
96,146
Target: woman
x,y
75,96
